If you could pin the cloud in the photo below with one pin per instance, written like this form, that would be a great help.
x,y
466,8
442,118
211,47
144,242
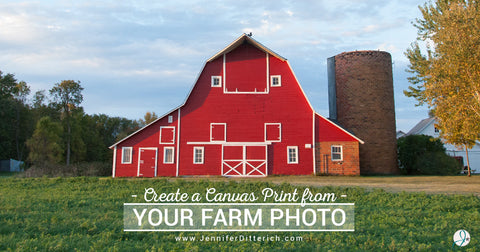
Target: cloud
x,y
148,53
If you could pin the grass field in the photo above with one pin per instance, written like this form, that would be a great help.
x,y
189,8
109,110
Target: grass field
x,y
86,214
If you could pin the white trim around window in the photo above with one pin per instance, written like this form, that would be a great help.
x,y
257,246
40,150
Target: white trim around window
x,y
216,81
337,153
168,155
127,155
292,154
198,155
275,80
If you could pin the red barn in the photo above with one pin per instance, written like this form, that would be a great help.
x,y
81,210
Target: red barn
x,y
246,115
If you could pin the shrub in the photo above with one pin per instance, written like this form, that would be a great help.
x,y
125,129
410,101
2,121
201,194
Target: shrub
x,y
80,169
437,163
421,154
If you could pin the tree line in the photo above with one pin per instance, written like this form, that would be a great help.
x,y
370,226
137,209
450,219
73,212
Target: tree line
x,y
53,128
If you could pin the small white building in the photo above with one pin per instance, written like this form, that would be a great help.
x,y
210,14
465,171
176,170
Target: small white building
x,y
427,127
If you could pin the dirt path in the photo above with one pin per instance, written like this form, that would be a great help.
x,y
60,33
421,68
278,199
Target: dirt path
x,y
427,184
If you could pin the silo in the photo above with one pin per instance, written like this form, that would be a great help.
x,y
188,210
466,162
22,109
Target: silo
x,y
360,87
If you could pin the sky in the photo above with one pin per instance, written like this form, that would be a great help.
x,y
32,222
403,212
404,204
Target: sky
x,y
137,56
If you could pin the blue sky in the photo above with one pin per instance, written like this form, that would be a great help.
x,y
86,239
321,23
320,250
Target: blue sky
x,y
137,56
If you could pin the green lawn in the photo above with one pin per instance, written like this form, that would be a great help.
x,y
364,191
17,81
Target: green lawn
x,y
86,214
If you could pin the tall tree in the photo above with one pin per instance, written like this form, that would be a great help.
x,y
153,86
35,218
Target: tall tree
x,y
67,95
78,133
8,84
45,144
39,99
14,126
22,90
40,108
7,115
447,76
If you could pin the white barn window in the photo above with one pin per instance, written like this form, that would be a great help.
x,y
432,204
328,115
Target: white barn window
x,y
168,155
216,81
292,154
337,153
276,81
198,155
127,155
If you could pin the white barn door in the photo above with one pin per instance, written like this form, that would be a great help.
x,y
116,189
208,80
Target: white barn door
x,y
244,160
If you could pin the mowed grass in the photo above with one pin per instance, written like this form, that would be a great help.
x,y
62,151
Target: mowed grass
x,y
86,214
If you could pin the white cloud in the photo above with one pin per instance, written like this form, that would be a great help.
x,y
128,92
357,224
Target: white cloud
x,y
159,46
17,29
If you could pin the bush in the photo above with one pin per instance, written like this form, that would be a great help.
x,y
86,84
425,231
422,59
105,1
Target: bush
x,y
421,154
80,169
437,163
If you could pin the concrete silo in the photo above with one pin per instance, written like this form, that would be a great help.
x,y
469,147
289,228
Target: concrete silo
x,y
360,88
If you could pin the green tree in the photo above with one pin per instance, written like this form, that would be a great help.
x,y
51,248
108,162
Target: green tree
x,y
67,95
7,132
78,134
96,148
15,127
39,99
123,127
8,85
108,130
447,76
46,143
22,90
7,115
40,108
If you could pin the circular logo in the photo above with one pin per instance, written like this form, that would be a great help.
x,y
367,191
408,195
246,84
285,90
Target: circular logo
x,y
461,238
